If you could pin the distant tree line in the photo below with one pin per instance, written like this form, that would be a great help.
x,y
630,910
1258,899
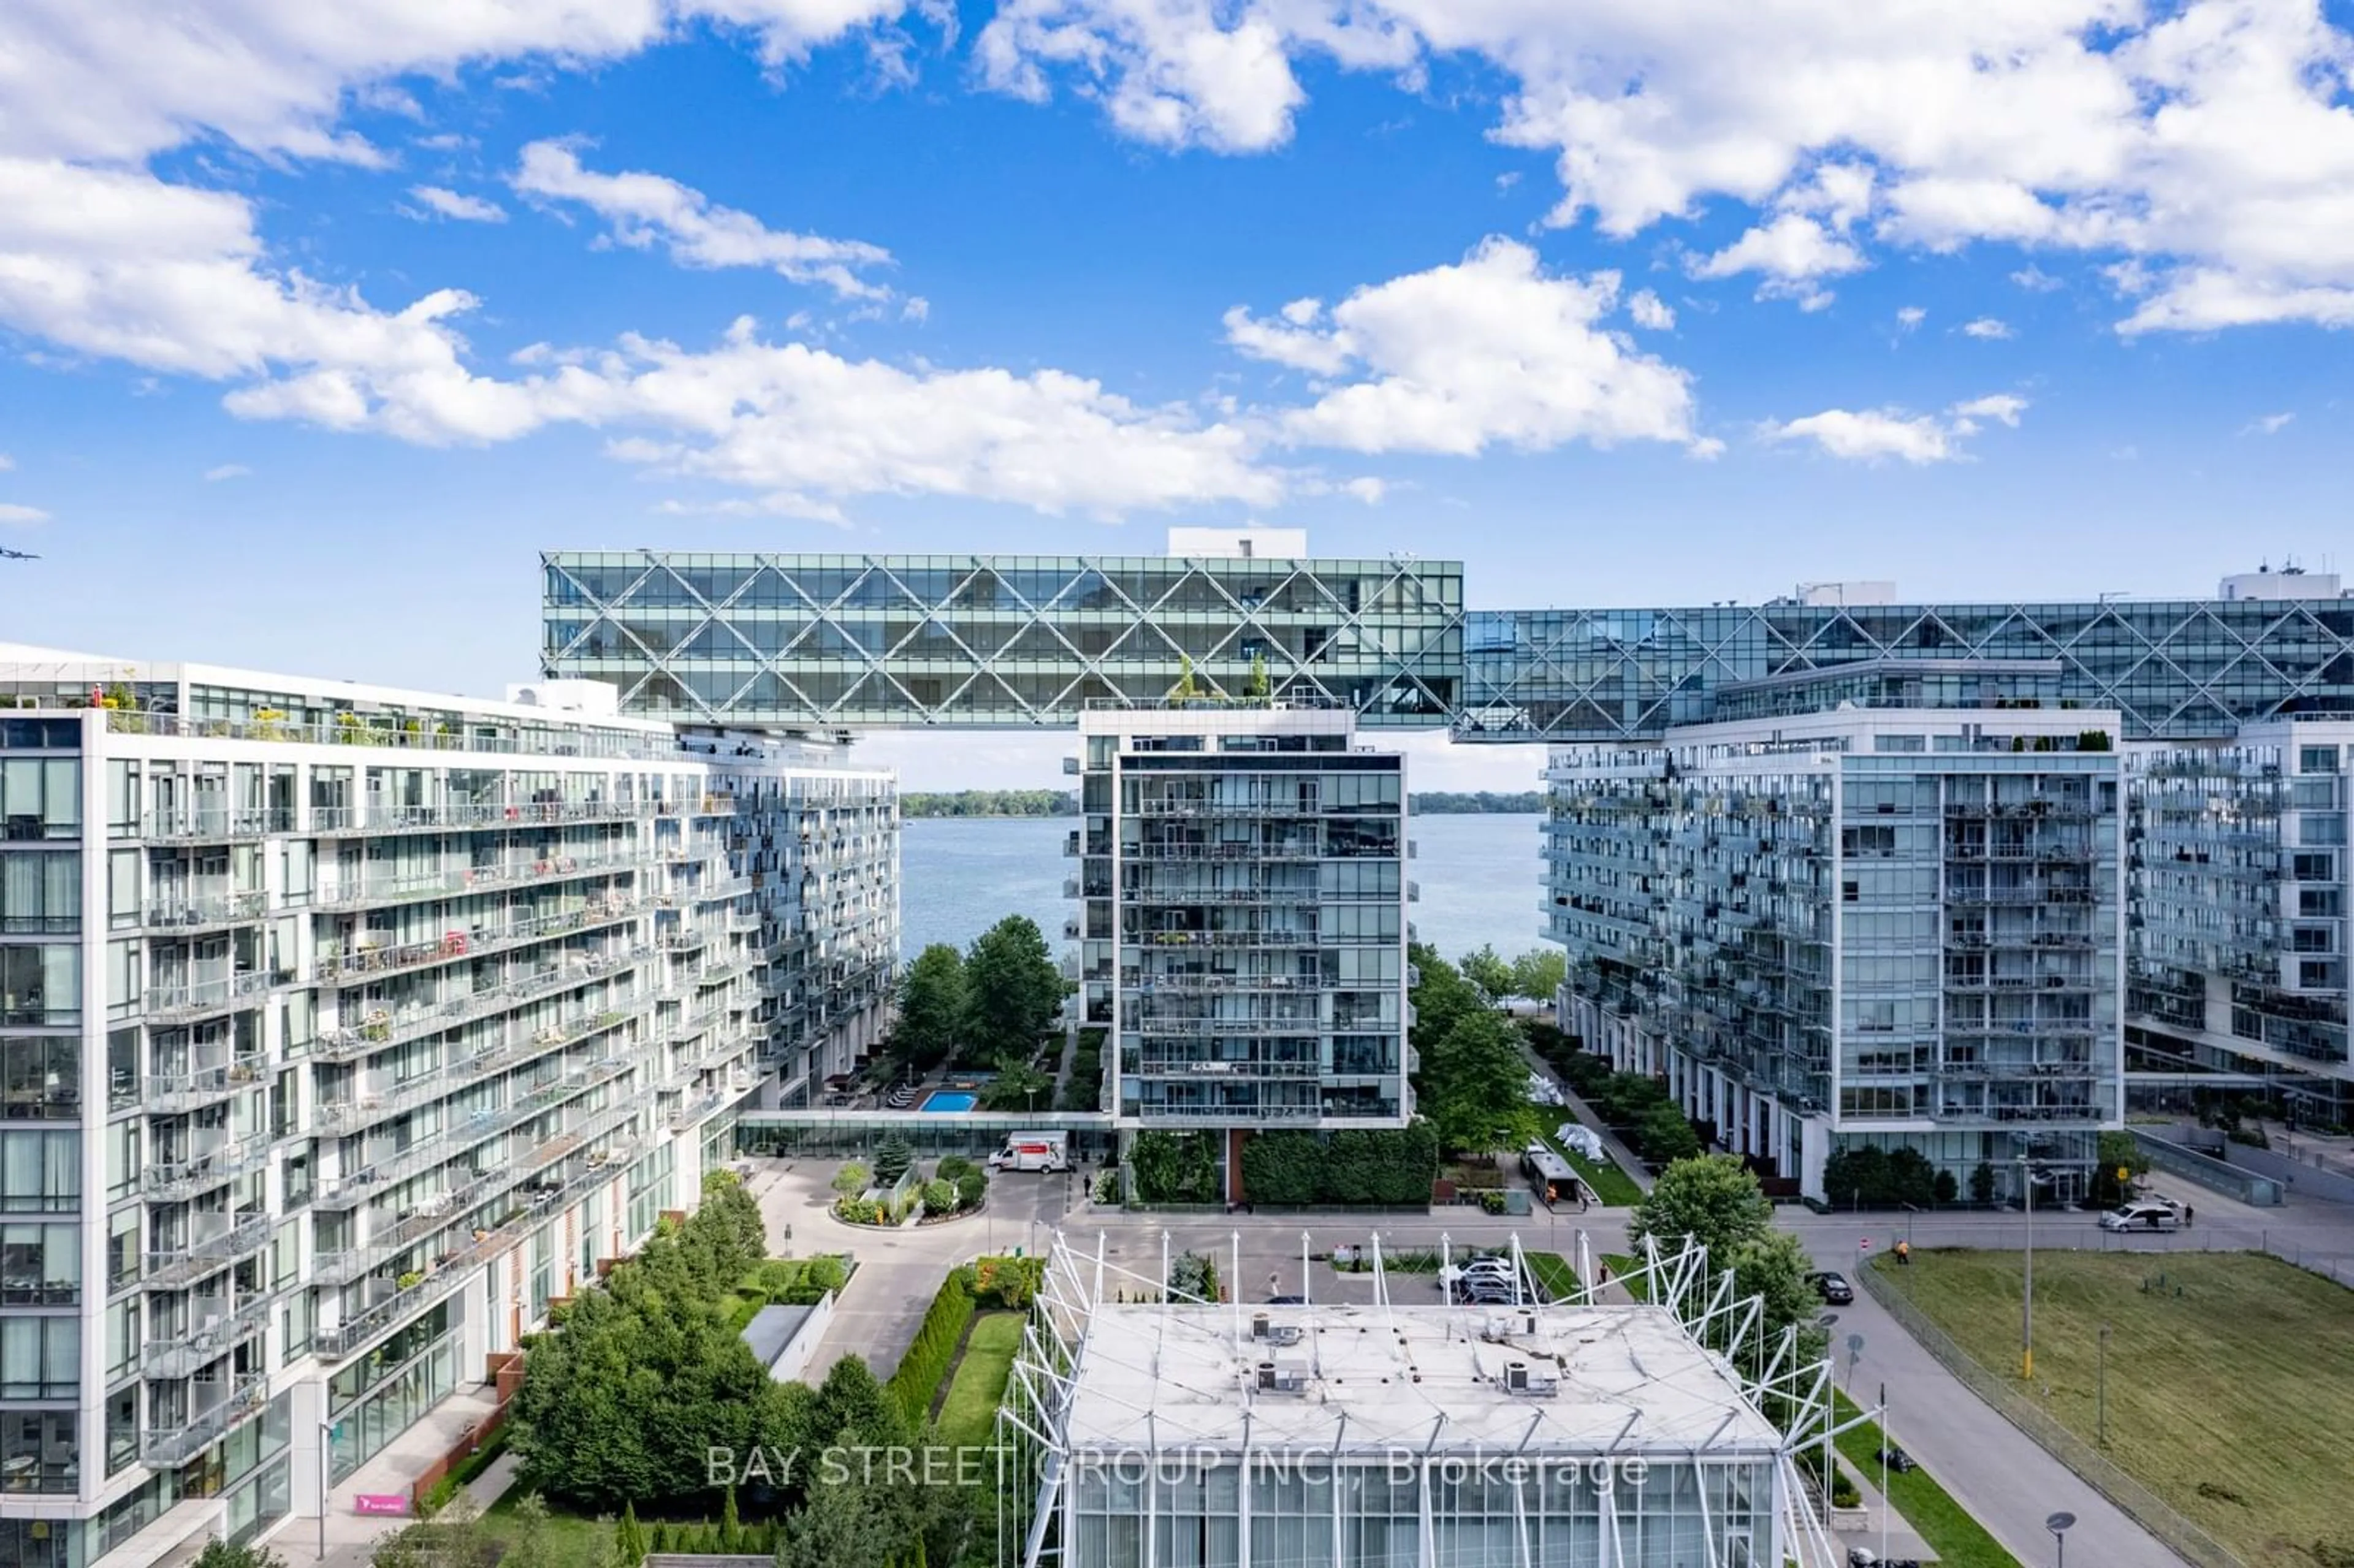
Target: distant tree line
x,y
1474,803
991,803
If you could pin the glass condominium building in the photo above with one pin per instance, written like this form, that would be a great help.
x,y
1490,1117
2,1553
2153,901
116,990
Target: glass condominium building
x,y
1896,926
2240,889
341,1030
1242,924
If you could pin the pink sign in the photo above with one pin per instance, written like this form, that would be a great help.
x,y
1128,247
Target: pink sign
x,y
380,1502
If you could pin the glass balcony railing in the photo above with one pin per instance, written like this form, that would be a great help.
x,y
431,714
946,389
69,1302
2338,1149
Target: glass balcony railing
x,y
220,1405
337,967
218,1326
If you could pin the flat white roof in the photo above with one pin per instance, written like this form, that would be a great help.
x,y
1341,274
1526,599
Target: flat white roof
x,y
1627,1378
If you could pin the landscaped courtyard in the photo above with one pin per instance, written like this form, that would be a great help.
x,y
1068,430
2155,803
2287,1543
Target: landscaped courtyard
x,y
2230,1379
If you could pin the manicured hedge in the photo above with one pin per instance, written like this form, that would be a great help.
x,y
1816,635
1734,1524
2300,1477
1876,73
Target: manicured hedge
x,y
927,1361
1388,1168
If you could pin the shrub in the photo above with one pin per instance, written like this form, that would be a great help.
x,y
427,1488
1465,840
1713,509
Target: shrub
x,y
952,1167
927,1361
1010,1283
824,1272
1491,1202
970,1187
852,1178
940,1197
1191,1274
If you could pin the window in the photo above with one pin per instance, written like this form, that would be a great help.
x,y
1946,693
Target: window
x,y
40,985
40,1265
40,798
2320,903
2321,827
41,1078
40,895
2314,867
39,1172
2317,760
41,1452
41,1358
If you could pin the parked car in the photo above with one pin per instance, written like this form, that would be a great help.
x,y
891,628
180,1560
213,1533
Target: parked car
x,y
1832,1287
2142,1215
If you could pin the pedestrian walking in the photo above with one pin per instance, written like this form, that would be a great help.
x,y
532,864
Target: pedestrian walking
x,y
2187,1212
1275,1284
1904,1255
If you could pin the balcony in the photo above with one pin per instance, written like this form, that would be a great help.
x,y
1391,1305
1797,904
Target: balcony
x,y
205,825
336,1343
457,884
176,1181
184,1001
369,959
234,1401
383,1028
166,916
209,1252
370,822
169,1094
397,1165
219,1328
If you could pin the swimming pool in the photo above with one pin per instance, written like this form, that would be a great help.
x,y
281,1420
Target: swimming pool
x,y
943,1102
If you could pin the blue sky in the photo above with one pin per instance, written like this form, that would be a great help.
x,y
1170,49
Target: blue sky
x,y
314,328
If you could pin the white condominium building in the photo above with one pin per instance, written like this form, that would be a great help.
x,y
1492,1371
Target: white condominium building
x,y
344,1028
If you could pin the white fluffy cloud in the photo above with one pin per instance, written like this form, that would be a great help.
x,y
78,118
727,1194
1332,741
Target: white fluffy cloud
x,y
1790,248
441,202
1489,351
2211,141
2269,425
645,210
1871,435
13,511
1988,328
1648,311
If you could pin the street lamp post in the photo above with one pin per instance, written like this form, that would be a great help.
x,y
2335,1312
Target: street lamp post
x,y
2027,1297
2058,1524
326,1447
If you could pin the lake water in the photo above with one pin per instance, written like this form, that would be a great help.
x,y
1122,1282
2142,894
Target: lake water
x,y
1480,879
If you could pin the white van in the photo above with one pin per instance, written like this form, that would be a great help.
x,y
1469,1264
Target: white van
x,y
2145,1216
1034,1151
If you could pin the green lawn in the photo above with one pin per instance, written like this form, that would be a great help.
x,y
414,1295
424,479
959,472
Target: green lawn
x,y
1613,1188
1622,1267
1958,1540
569,1537
1554,1273
2230,1378
978,1382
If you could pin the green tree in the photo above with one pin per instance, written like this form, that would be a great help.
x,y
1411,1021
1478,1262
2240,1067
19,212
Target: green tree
x,y
2120,1161
940,1197
1666,1134
893,1155
1474,1083
1441,995
1013,990
1489,972
219,1553
528,1545
1712,1197
454,1538
931,1001
1537,973
1017,1086
852,1178
1260,688
1774,1267
629,1536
